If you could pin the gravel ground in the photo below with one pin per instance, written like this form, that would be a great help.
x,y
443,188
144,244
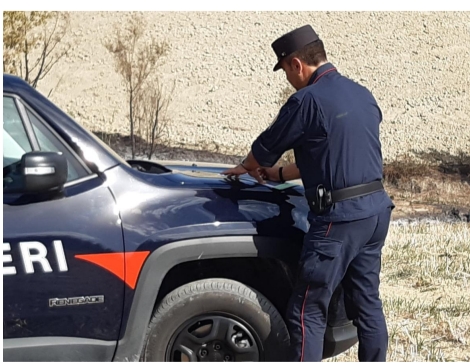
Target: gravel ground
x,y
416,64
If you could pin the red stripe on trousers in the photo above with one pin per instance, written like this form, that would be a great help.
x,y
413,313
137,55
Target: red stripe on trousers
x,y
329,227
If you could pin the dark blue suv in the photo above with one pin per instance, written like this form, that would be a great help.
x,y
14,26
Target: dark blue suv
x,y
106,259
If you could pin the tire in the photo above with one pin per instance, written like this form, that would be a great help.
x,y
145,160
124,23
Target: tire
x,y
217,320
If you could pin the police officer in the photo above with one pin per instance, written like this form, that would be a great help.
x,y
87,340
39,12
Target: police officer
x,y
332,124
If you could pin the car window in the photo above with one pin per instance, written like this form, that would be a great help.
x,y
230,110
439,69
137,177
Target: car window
x,y
15,143
15,139
50,143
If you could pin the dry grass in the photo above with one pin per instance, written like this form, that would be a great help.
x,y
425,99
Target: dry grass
x,y
426,293
429,183
430,196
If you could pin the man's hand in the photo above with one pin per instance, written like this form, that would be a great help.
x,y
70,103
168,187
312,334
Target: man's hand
x,y
270,174
235,171
239,170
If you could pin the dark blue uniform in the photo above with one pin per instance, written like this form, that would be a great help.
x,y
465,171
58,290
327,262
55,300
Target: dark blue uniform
x,y
333,127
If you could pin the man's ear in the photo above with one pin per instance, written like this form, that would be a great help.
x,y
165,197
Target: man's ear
x,y
296,64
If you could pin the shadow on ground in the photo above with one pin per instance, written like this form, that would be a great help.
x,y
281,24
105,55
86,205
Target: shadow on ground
x,y
458,165
430,183
431,163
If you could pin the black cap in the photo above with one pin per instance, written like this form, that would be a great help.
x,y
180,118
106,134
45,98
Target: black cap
x,y
293,41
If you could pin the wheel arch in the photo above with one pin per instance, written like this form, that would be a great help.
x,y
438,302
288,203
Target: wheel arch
x,y
162,260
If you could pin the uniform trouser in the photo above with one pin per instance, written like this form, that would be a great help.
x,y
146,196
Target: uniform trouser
x,y
347,252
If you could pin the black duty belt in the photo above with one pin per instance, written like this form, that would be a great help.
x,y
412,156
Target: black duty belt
x,y
319,199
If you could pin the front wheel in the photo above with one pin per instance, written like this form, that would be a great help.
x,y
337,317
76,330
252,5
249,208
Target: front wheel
x,y
216,320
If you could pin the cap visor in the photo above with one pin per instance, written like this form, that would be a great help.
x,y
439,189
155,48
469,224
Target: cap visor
x,y
277,66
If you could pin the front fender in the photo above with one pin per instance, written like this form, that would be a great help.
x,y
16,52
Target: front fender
x,y
159,263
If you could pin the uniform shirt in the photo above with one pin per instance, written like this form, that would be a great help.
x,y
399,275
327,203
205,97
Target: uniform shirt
x,y
333,127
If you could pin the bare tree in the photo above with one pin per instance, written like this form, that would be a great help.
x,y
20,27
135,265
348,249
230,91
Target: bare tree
x,y
33,43
136,60
152,113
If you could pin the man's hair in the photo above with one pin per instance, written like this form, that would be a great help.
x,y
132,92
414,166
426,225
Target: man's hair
x,y
312,54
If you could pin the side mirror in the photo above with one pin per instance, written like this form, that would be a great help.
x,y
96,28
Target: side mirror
x,y
43,171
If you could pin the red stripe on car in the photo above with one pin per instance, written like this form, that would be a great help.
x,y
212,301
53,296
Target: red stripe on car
x,y
126,266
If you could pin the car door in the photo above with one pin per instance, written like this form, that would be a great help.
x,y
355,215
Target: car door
x,y
63,264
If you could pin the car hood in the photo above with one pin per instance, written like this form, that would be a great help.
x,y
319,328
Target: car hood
x,y
198,201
